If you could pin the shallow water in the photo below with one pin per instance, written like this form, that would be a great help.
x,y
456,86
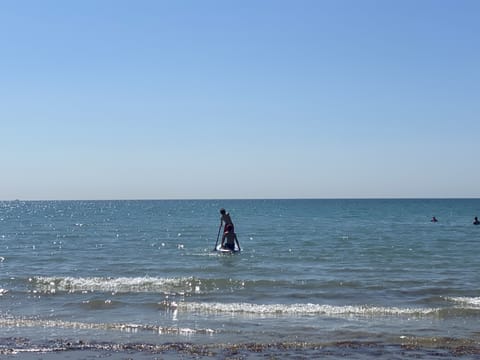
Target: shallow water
x,y
338,276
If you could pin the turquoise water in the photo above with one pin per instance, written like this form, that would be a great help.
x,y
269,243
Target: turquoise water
x,y
317,272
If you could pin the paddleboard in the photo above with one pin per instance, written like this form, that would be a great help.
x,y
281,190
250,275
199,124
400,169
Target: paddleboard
x,y
227,251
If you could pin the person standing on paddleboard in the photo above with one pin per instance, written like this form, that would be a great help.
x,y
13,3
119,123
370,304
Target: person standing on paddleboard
x,y
225,218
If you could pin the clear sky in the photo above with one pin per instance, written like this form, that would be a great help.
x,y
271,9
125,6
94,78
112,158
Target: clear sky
x,y
115,99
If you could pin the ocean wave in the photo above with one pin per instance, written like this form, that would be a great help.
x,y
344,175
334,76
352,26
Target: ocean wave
x,y
180,285
469,302
124,327
304,309
147,284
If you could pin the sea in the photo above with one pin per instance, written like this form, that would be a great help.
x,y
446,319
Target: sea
x,y
328,279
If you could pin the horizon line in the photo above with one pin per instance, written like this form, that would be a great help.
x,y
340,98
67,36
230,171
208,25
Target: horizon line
x,y
253,198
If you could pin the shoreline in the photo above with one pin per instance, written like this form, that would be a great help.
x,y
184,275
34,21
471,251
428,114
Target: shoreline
x,y
23,349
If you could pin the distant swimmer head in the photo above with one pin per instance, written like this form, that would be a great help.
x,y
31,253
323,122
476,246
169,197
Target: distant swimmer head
x,y
222,211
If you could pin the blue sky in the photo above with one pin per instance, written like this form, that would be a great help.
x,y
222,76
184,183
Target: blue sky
x,y
112,99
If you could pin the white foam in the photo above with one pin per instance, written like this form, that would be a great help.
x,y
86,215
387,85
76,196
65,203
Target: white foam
x,y
114,285
305,309
464,300
130,328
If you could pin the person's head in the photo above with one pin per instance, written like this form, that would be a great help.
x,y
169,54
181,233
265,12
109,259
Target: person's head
x,y
229,227
222,211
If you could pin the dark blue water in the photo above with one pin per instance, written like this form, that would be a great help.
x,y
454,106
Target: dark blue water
x,y
315,271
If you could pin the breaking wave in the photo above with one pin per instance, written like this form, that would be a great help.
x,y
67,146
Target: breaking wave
x,y
131,328
180,285
114,285
468,302
305,309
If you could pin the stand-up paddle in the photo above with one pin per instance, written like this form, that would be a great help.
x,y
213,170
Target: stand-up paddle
x,y
218,235
238,244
